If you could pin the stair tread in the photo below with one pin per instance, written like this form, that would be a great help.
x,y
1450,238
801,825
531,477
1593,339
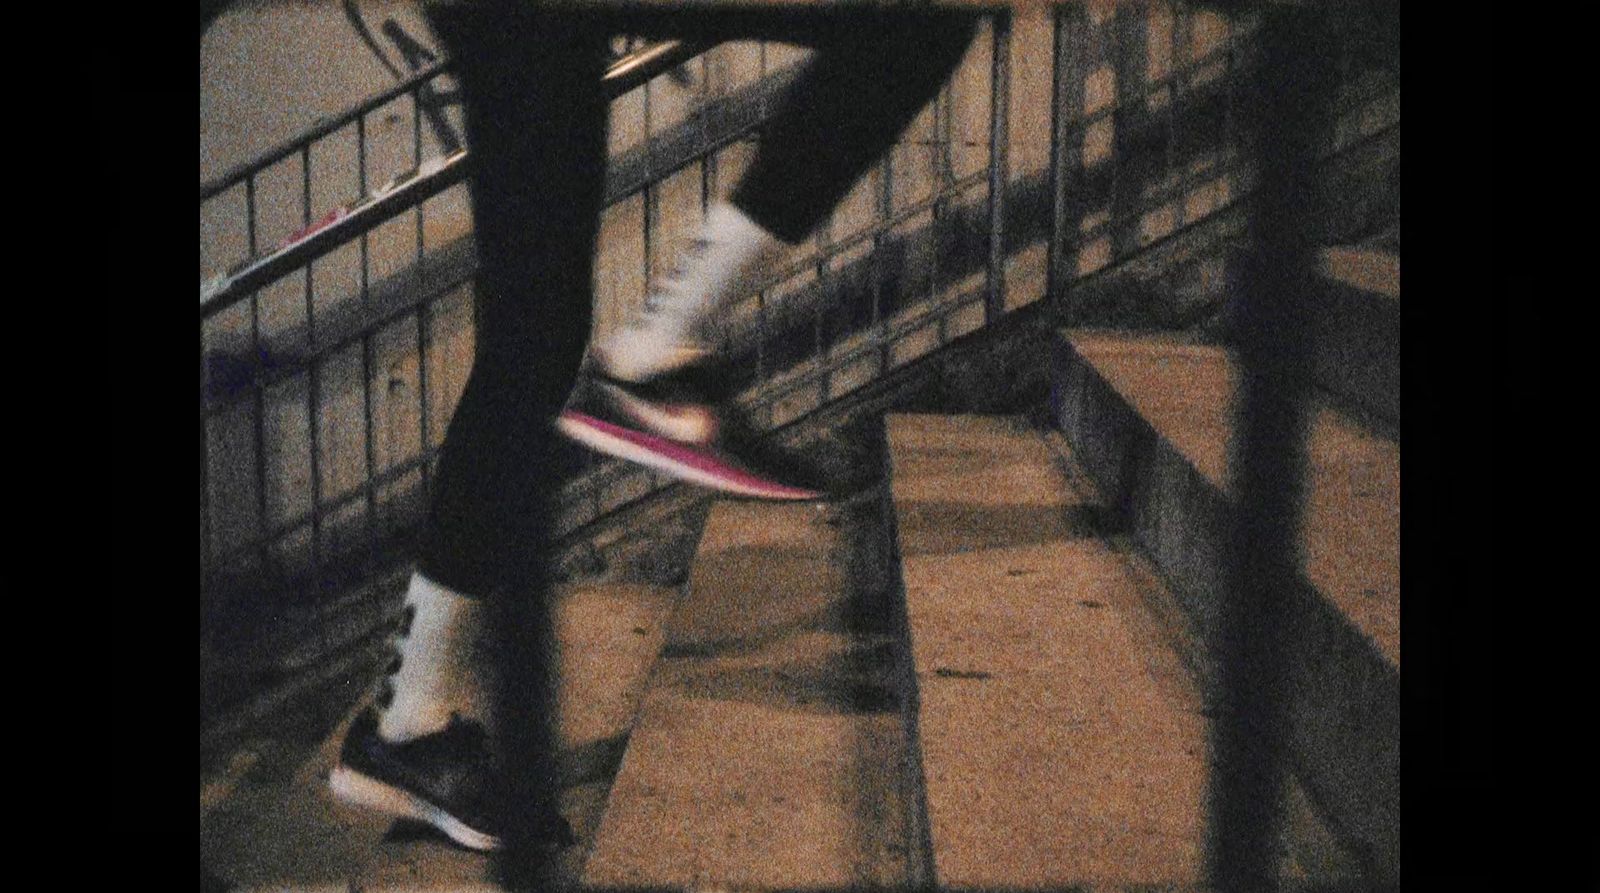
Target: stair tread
x,y
1060,745
269,819
766,742
1150,418
1350,532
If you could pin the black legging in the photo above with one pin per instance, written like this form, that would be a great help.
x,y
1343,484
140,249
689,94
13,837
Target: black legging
x,y
535,122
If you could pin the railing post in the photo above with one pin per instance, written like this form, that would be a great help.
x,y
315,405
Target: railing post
x,y
885,213
367,359
423,445
313,383
999,151
257,388
1284,99
1066,154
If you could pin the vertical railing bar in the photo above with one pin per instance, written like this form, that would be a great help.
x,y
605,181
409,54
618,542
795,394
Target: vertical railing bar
x,y
472,311
1173,175
885,210
368,361
761,345
708,197
648,197
424,434
1343,89
595,484
651,199
1131,42
706,185
1067,55
712,172
1057,162
1183,77
761,334
320,594
943,198
1230,75
999,100
251,245
416,163
361,185
313,383
945,109
423,444
819,308
1118,115
704,94
259,431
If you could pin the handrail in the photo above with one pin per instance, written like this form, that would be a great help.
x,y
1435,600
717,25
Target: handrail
x,y
404,191
321,128
623,71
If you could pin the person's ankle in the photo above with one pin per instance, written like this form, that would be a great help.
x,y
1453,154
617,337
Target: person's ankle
x,y
625,359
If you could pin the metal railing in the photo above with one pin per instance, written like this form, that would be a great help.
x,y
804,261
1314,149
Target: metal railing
x,y
1136,166
401,193
253,363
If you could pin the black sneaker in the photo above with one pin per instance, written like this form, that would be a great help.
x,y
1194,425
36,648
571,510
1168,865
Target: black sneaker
x,y
444,779
683,423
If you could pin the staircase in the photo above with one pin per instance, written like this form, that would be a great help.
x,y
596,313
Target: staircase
x,y
1150,417
973,675
989,667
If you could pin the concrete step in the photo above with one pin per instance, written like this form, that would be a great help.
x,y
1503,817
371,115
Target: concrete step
x,y
1062,737
1052,755
769,750
268,822
1150,418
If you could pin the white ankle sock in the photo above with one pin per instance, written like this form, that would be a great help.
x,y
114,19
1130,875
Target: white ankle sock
x,y
438,673
667,333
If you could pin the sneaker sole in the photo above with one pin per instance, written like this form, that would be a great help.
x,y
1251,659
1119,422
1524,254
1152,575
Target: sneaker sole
x,y
365,791
677,460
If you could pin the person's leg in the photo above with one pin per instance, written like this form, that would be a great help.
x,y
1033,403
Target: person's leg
x,y
648,394
854,98
535,123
